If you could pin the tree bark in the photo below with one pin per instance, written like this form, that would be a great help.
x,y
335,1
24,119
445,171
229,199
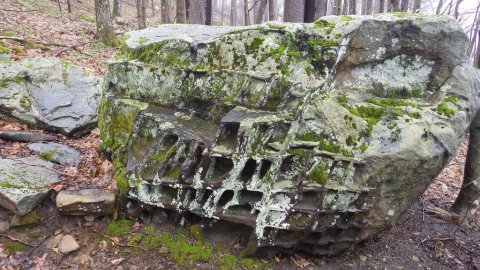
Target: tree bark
x,y
321,7
417,4
393,5
69,6
164,12
208,12
467,201
352,7
310,8
272,10
246,16
233,12
223,4
200,12
439,6
381,6
404,5
261,11
104,21
345,7
369,7
116,8
59,5
181,12
294,11
141,10
337,7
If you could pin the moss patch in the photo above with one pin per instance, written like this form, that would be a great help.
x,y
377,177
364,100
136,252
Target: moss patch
x,y
13,247
119,227
319,173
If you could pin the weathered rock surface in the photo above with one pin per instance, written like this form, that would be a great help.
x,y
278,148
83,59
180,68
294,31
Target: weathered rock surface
x,y
86,202
316,135
68,244
56,152
26,136
24,183
29,219
4,226
50,94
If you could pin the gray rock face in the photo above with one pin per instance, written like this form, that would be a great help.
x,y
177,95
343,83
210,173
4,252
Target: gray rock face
x,y
50,94
316,135
24,183
86,202
26,136
57,153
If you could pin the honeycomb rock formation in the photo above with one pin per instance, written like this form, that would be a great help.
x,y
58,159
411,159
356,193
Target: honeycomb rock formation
x,y
317,136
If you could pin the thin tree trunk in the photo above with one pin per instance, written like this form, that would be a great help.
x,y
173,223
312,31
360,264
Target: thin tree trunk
x,y
272,10
261,11
439,6
208,12
246,16
164,12
320,8
59,5
152,7
393,5
199,12
345,7
381,6
141,10
233,12
337,8
457,5
310,8
69,6
352,7
181,16
417,4
404,5
103,20
294,11
369,7
116,8
187,11
223,4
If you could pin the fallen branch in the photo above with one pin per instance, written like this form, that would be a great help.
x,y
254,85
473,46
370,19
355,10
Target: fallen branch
x,y
23,40
16,239
74,47
444,214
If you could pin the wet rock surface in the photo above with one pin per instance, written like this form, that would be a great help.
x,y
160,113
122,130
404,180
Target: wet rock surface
x,y
24,183
26,136
317,136
86,202
50,94
55,152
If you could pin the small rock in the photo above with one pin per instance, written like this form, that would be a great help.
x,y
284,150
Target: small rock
x,y
67,244
163,250
54,241
24,183
4,226
89,218
57,153
29,219
86,202
26,136
88,224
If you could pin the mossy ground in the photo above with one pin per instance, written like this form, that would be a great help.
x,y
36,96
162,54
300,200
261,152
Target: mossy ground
x,y
186,246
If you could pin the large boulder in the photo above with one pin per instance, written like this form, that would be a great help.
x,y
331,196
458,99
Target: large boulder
x,y
50,94
316,135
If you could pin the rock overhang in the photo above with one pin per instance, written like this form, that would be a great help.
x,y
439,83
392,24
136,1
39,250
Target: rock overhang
x,y
316,135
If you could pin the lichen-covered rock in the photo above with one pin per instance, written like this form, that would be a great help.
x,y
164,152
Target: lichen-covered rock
x,y
24,183
316,135
50,94
56,152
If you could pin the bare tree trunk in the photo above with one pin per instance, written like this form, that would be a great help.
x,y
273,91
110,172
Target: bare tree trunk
x,y
223,4
439,6
345,7
104,21
393,5
272,10
320,8
417,4
404,5
457,5
59,5
181,12
141,10
116,8
152,7
337,7
246,16
208,12
261,11
164,12
69,6
352,7
233,12
310,7
294,11
381,6
369,7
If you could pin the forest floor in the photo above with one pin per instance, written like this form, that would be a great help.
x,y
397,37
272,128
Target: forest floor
x,y
419,240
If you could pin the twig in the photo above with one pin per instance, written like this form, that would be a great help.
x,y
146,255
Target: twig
x,y
23,40
74,47
16,239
